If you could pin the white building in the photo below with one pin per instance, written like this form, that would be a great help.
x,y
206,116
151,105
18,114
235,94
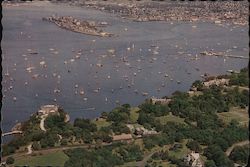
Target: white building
x,y
193,159
48,109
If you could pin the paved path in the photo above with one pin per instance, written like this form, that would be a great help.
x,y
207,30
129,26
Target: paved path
x,y
145,159
42,122
230,149
29,147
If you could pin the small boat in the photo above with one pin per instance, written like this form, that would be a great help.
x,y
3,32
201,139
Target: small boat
x,y
96,90
42,63
7,73
85,98
178,82
144,93
112,51
81,92
29,69
35,76
155,52
57,90
14,98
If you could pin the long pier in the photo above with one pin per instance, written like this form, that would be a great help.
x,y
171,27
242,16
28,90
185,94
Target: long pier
x,y
12,133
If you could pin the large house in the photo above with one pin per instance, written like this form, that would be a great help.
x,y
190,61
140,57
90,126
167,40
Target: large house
x,y
216,81
161,101
122,137
48,109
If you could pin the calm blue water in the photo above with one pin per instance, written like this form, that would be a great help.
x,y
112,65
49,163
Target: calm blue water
x,y
23,28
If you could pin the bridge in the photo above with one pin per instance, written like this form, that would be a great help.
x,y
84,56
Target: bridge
x,y
12,133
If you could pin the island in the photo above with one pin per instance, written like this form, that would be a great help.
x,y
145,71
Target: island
x,y
76,25
204,127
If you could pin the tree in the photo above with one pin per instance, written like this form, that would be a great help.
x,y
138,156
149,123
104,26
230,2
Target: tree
x,y
10,160
214,152
210,163
85,124
240,154
194,145
36,146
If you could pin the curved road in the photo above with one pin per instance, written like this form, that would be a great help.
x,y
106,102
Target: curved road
x,y
230,149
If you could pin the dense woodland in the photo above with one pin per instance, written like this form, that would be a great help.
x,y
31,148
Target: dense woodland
x,y
206,133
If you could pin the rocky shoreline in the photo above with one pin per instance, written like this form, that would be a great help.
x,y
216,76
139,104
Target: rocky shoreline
x,y
75,25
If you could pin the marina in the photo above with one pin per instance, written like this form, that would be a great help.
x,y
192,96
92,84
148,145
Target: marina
x,y
87,75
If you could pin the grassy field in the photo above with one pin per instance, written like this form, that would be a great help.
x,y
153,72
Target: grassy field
x,y
180,153
134,114
101,123
129,164
50,159
162,163
170,118
236,113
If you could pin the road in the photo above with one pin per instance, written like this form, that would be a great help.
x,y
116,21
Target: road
x,y
230,149
42,122
145,159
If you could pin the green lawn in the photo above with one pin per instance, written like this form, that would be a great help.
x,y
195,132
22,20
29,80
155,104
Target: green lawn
x,y
180,153
236,113
50,159
128,164
170,118
134,114
101,123
162,163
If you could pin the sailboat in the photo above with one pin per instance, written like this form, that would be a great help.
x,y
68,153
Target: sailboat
x,y
7,73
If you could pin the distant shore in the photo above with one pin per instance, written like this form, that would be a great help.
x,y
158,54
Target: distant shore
x,y
147,10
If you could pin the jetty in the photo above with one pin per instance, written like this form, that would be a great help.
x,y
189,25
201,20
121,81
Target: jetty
x,y
79,26
210,53
12,133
